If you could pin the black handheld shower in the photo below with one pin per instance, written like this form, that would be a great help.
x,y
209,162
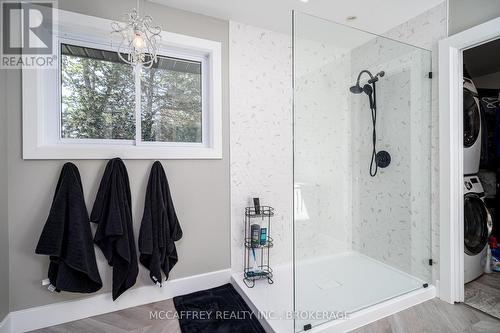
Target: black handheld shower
x,y
367,89
382,158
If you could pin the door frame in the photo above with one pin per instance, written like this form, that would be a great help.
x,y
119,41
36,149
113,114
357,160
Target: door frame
x,y
451,196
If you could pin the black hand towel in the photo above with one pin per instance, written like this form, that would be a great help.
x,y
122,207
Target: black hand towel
x,y
160,227
115,235
67,239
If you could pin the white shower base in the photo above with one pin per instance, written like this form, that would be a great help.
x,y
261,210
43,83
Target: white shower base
x,y
364,288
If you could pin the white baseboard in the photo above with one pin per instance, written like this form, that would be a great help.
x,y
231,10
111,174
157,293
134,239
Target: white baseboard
x,y
5,325
63,312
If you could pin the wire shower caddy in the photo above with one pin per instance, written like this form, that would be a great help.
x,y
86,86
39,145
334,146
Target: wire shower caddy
x,y
262,216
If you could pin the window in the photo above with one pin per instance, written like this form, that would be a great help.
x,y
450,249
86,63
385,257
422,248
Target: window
x,y
97,95
171,101
95,106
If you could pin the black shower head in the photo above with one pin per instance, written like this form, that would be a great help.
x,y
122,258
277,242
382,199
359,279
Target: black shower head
x,y
356,89
367,89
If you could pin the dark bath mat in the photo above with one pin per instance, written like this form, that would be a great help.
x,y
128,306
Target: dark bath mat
x,y
217,310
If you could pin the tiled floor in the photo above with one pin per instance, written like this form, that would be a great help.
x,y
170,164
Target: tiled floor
x,y
435,316
129,320
431,316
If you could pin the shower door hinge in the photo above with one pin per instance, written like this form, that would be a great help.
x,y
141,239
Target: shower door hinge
x,y
430,75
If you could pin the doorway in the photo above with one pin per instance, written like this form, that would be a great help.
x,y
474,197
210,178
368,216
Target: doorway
x,y
481,136
453,154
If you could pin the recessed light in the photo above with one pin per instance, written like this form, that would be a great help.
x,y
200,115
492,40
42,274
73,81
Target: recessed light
x,y
304,1
351,18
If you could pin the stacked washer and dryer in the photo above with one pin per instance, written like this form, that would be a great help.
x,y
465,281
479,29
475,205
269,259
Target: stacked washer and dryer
x,y
477,219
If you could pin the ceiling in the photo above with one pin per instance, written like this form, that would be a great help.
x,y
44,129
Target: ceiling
x,y
375,16
483,59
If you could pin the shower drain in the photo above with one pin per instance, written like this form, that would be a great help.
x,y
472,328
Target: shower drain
x,y
328,284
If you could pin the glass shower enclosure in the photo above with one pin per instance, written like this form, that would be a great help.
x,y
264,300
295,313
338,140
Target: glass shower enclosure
x,y
362,115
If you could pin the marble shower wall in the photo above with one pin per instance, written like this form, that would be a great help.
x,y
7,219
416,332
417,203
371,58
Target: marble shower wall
x,y
322,148
391,211
426,30
261,142
261,134
395,213
261,145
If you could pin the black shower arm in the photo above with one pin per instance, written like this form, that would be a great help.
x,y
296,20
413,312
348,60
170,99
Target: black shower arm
x,y
361,73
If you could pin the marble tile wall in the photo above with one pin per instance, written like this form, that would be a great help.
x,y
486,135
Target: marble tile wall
x,y
396,221
261,134
426,30
261,144
322,148
391,211
261,141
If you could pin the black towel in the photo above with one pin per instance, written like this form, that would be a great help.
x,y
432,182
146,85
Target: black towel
x,y
160,227
67,239
115,235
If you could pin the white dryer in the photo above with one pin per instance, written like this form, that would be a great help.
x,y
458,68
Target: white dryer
x,y
472,128
477,228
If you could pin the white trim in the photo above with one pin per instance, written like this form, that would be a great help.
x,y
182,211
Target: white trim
x,y
5,326
63,312
138,105
451,275
267,327
377,312
40,98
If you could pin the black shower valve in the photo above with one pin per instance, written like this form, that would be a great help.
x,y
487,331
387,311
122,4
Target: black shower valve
x,y
383,159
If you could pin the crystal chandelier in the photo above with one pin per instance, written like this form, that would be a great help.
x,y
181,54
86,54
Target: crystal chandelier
x,y
139,39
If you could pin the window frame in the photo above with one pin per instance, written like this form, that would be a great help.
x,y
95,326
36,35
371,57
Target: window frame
x,y
42,99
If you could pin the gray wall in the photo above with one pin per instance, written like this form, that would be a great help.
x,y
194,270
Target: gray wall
x,y
464,14
4,226
200,188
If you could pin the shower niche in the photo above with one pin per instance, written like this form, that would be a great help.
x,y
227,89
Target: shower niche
x,y
362,115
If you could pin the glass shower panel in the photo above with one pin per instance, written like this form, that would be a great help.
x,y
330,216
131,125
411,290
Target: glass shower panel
x,y
361,214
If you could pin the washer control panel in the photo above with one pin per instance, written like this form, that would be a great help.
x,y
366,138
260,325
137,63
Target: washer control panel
x,y
472,185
